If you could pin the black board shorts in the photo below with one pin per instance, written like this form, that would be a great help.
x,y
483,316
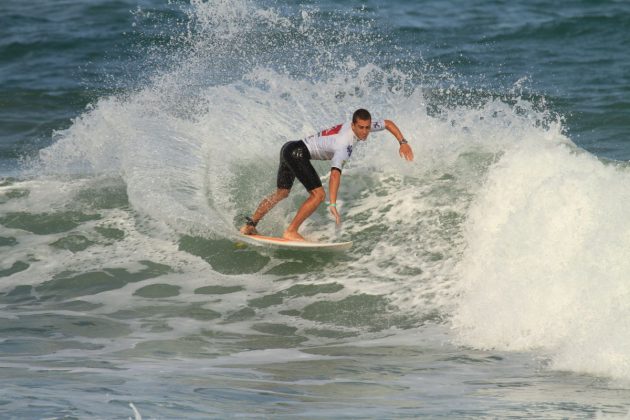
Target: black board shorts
x,y
295,162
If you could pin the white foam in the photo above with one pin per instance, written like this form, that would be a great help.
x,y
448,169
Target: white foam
x,y
545,265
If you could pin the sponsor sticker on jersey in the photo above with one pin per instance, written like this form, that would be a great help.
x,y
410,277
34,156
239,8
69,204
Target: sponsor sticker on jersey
x,y
331,131
349,150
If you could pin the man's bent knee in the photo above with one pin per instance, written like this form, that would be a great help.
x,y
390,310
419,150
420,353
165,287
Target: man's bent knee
x,y
319,194
282,193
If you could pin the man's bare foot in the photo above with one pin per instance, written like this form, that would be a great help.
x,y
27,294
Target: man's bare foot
x,y
293,236
249,230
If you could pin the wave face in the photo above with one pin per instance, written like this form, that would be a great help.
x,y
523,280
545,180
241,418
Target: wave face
x,y
497,199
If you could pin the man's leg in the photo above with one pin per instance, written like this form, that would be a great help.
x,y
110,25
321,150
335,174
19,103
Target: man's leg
x,y
315,198
264,207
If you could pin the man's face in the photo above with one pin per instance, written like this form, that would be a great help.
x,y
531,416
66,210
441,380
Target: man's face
x,y
362,128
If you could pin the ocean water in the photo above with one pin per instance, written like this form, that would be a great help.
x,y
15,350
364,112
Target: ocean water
x,y
489,278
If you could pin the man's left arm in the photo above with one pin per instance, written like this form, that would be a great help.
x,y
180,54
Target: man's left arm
x,y
405,150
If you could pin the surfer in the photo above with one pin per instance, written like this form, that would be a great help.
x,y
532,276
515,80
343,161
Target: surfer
x,y
334,144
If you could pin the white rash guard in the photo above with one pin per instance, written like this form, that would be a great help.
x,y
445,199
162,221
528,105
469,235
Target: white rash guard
x,y
335,144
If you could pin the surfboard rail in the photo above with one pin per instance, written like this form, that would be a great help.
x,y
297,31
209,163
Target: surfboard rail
x,y
303,245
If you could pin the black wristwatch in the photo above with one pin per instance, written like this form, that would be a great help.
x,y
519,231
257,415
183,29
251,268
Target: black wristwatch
x,y
403,141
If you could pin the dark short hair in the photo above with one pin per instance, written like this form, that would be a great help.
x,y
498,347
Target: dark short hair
x,y
361,114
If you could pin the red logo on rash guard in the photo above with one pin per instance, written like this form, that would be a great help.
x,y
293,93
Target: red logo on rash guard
x,y
331,131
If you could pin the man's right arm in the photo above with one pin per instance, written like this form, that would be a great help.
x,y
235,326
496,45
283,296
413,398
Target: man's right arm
x,y
333,189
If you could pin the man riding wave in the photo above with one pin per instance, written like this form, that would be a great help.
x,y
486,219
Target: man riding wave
x,y
335,144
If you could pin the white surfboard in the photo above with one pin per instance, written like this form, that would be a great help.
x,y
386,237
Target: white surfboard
x,y
305,245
